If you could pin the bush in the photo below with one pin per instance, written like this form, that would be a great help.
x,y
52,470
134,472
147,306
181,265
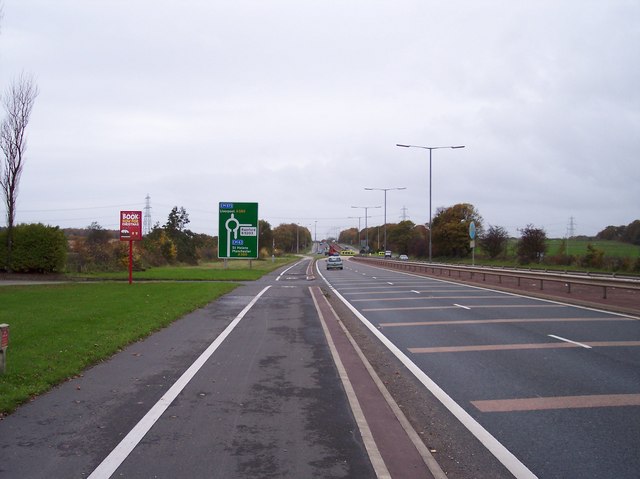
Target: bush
x,y
532,245
36,249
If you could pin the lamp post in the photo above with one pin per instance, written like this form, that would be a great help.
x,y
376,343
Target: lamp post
x,y
365,224
430,148
385,209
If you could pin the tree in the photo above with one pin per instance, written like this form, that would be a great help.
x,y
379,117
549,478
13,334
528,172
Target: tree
x,y
632,233
182,238
611,233
18,103
532,244
265,236
400,236
291,237
178,219
494,241
349,236
450,235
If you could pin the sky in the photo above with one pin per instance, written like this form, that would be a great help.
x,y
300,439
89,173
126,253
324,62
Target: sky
x,y
298,106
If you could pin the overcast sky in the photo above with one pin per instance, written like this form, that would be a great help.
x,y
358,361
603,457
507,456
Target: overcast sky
x,y
298,105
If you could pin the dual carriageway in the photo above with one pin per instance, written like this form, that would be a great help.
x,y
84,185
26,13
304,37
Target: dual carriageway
x,y
493,384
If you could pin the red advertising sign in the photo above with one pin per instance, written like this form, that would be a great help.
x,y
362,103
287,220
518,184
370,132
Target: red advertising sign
x,y
130,225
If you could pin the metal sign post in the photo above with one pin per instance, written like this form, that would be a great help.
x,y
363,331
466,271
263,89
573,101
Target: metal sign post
x,y
238,230
472,235
4,344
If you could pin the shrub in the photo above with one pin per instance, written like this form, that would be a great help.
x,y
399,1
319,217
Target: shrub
x,y
532,245
36,249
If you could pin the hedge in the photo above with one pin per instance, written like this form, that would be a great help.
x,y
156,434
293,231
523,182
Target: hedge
x,y
36,249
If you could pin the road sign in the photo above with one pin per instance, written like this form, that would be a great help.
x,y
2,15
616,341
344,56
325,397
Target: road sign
x,y
238,230
472,230
130,225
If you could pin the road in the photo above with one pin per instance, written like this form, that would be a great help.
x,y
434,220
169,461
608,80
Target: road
x,y
551,389
261,383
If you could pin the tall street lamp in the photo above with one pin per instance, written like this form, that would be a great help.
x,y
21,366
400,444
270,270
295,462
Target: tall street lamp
x,y
385,209
430,148
365,224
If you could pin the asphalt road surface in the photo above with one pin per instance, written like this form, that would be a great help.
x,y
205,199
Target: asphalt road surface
x,y
551,389
266,383
259,384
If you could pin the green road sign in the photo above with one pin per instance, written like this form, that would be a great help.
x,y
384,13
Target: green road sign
x,y
238,230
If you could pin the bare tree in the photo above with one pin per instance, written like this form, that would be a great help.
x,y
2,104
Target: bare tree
x,y
18,102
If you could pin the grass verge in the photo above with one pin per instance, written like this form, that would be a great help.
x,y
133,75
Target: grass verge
x,y
56,331
237,270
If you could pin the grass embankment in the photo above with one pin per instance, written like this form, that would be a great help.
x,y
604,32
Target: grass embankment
x,y
56,331
557,247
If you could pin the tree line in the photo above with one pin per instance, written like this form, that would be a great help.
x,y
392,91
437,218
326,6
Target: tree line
x,y
451,241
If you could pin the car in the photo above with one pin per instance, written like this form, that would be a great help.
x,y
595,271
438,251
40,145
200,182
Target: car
x,y
387,254
404,257
334,262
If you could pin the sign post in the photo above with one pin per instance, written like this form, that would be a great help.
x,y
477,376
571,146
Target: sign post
x,y
4,344
130,230
472,235
238,230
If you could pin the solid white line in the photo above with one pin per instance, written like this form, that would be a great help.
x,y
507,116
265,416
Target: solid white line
x,y
370,445
460,306
131,440
569,341
426,455
506,457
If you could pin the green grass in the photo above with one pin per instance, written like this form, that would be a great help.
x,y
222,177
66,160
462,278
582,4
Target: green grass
x,y
578,247
237,270
56,331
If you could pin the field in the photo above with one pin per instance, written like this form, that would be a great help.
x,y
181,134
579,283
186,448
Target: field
x,y
578,247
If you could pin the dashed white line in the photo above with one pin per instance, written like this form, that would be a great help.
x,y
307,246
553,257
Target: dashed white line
x,y
460,306
569,341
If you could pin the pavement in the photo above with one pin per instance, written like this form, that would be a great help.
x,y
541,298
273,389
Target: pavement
x,y
264,382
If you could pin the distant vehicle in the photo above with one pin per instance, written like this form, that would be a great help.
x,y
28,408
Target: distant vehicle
x,y
387,254
404,257
334,262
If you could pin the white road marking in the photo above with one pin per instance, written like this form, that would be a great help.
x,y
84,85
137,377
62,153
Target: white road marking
x,y
370,445
285,271
506,457
131,440
569,341
460,306
414,291
389,282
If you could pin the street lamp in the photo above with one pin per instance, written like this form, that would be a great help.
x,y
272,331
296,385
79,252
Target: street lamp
x,y
385,210
430,148
365,224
